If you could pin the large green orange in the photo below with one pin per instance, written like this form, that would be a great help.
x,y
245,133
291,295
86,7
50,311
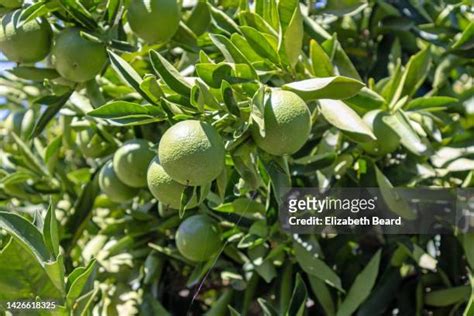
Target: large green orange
x,y
154,21
26,44
198,238
387,140
131,162
287,124
111,186
76,58
192,152
165,189
92,145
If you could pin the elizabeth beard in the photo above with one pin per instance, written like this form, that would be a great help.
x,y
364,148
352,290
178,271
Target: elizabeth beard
x,y
346,221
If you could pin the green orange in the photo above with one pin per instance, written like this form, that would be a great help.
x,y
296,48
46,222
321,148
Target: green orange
x,y
198,238
28,43
192,152
131,162
155,21
76,58
112,187
287,124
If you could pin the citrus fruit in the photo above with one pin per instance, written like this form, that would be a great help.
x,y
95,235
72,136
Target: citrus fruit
x,y
287,124
28,43
165,189
111,186
387,140
154,20
198,238
192,152
131,162
12,4
76,58
92,145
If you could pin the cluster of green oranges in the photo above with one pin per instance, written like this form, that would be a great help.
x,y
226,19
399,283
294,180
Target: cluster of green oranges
x,y
76,57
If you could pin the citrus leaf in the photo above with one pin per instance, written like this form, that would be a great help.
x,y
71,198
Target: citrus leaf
x,y
408,137
27,235
314,266
322,293
338,114
169,74
393,200
82,283
298,299
55,103
50,231
231,53
127,113
321,64
291,34
361,288
260,44
127,74
33,73
325,88
447,297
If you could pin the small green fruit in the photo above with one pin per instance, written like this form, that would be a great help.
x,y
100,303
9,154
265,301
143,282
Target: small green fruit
x,y
165,189
192,153
131,162
155,21
198,238
76,58
26,44
287,124
111,186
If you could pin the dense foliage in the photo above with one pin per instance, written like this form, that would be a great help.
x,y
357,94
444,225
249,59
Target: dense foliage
x,y
270,94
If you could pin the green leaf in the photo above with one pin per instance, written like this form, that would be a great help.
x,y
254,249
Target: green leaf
x,y
366,100
229,100
344,7
127,74
470,305
169,74
82,283
415,73
27,235
468,241
77,10
54,103
320,62
314,266
124,113
219,307
34,163
342,63
361,288
231,53
322,293
393,200
466,38
33,73
277,169
298,299
267,308
223,21
429,103
242,206
50,231
186,197
325,88
200,18
447,297
338,114
260,44
291,34
408,137
258,110
22,276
